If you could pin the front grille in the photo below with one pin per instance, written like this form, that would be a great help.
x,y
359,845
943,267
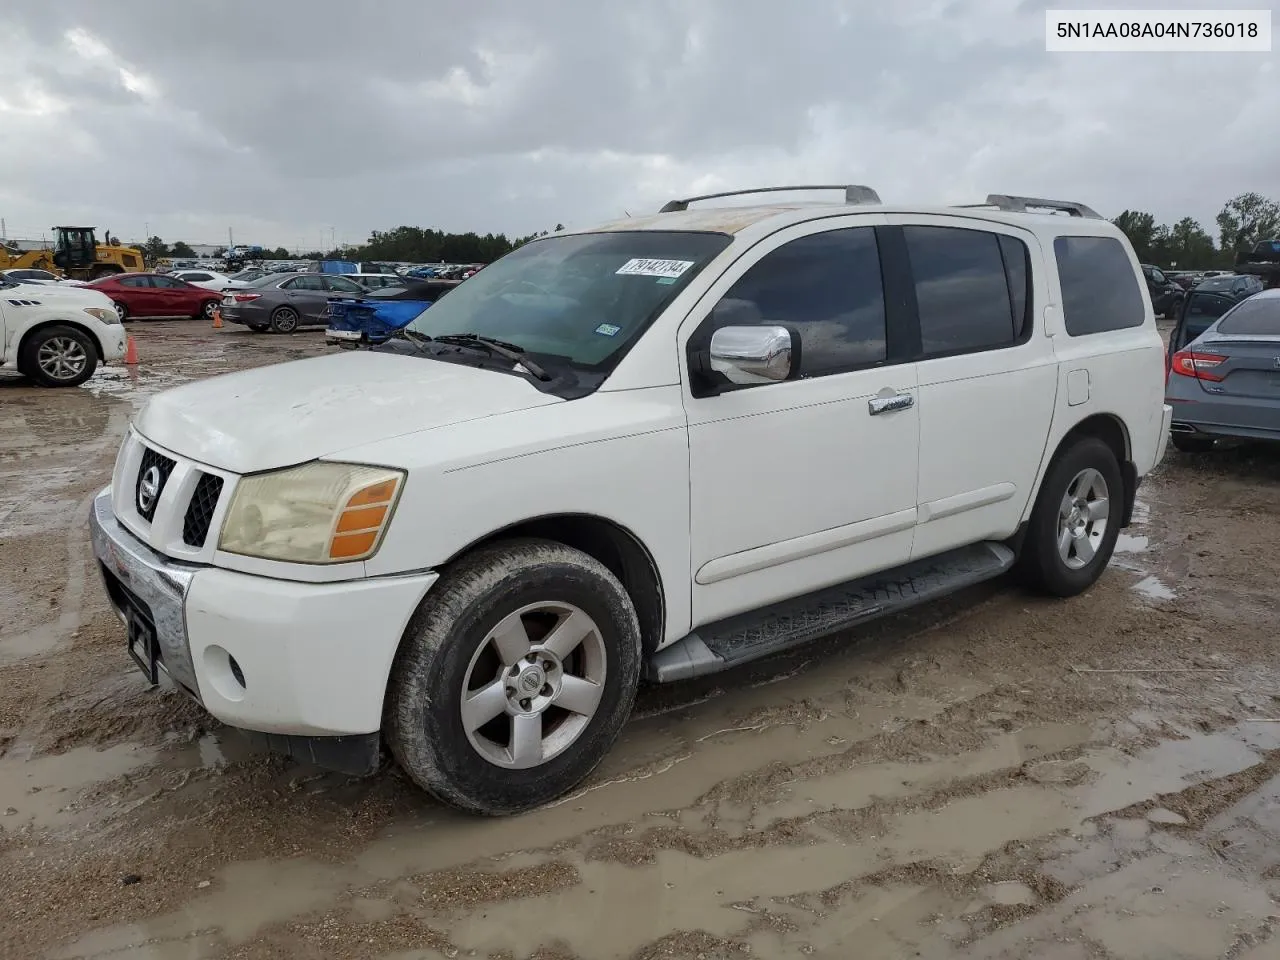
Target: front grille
x,y
195,526
164,466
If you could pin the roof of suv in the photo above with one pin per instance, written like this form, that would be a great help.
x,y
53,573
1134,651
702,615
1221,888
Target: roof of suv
x,y
735,219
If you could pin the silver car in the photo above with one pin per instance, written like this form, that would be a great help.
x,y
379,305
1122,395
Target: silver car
x,y
1226,382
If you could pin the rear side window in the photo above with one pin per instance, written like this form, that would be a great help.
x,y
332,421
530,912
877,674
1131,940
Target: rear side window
x,y
1253,318
971,288
1099,289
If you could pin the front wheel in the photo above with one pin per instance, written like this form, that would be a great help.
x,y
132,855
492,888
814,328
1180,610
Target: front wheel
x,y
514,678
206,310
1076,520
59,357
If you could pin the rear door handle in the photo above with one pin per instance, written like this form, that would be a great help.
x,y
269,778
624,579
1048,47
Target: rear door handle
x,y
899,401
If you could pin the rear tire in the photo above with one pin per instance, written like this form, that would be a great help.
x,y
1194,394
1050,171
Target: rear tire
x,y
284,320
1192,444
58,356
1072,535
542,642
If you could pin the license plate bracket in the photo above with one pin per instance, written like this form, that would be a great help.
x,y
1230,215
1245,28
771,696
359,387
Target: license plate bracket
x,y
143,646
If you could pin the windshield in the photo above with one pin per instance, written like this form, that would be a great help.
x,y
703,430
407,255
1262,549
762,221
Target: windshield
x,y
583,299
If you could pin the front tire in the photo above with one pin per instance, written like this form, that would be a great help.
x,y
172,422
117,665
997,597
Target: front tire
x,y
1076,520
284,320
206,310
59,356
514,677
121,310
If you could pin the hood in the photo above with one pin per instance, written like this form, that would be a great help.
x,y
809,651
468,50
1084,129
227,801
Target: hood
x,y
293,412
57,293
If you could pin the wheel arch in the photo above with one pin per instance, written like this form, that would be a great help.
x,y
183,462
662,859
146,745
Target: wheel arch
x,y
620,550
1110,428
26,335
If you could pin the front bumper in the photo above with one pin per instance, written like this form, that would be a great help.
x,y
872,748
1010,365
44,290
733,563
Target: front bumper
x,y
111,341
266,655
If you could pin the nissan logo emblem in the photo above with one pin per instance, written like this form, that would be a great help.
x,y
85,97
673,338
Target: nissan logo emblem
x,y
148,489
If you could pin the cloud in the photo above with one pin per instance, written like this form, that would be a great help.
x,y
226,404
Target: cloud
x,y
289,119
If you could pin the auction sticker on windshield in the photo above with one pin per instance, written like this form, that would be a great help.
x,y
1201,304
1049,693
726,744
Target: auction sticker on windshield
x,y
641,267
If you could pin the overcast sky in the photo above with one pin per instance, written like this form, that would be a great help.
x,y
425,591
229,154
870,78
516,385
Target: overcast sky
x,y
283,122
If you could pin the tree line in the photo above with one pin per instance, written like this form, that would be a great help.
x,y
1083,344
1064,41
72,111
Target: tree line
x,y
1244,221
403,244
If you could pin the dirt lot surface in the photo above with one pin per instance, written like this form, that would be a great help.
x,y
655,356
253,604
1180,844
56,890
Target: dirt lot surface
x,y
995,776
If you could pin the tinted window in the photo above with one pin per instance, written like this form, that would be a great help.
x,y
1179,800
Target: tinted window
x,y
135,281
1099,290
1207,305
344,285
1259,317
192,277
305,283
169,282
961,289
1158,277
827,286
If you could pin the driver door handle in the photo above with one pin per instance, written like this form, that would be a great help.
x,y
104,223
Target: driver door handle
x,y
897,401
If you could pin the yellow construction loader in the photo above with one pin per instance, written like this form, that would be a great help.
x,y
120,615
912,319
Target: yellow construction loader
x,y
77,254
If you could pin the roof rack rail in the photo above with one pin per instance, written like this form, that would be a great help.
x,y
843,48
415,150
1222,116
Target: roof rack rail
x,y
853,193
1012,204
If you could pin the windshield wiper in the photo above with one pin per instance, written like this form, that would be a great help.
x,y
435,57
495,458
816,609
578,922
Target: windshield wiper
x,y
499,348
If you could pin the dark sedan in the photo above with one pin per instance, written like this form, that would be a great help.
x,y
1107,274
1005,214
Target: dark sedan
x,y
283,302
1226,382
1205,304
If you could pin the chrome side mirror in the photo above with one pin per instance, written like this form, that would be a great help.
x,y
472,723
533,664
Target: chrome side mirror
x,y
745,355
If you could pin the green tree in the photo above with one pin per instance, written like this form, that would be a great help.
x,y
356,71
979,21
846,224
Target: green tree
x,y
154,249
1245,220
181,249
279,253
1143,233
1189,246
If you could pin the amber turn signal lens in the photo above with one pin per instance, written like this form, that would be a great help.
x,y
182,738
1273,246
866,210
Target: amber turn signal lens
x,y
363,518
353,544
378,493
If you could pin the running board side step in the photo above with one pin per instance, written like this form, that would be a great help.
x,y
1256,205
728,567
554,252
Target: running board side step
x,y
759,633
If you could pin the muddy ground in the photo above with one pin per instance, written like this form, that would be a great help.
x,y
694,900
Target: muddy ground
x,y
995,776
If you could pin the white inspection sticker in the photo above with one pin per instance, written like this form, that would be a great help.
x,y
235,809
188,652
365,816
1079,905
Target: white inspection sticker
x,y
640,267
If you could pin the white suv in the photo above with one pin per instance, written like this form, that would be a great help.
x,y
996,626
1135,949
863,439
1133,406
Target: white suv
x,y
57,334
660,448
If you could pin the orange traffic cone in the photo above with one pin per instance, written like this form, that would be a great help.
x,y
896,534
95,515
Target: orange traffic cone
x,y
217,318
130,352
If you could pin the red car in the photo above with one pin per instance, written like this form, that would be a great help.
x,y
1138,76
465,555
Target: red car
x,y
139,295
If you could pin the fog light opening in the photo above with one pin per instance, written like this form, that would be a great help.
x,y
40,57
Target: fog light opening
x,y
236,671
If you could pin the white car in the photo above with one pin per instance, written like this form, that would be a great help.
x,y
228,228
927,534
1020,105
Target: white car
x,y
659,448
29,275
57,334
209,280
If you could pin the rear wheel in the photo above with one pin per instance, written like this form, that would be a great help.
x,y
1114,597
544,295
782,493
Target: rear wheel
x,y
284,320
1076,520
514,678
1191,444
59,357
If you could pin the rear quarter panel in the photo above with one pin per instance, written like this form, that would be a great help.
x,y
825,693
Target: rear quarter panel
x,y
1118,373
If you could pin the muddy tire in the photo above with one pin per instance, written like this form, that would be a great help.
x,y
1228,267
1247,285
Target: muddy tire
x,y
284,320
1191,444
514,677
1076,520
58,356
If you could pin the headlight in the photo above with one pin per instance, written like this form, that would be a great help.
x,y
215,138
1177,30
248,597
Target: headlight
x,y
103,314
316,513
